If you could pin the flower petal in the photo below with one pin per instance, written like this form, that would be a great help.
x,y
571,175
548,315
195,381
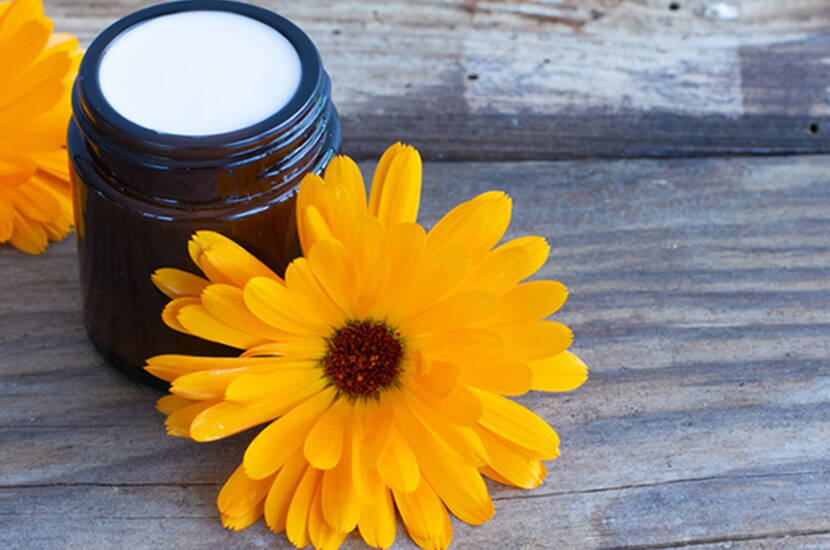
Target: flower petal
x,y
24,34
457,311
322,536
178,423
430,429
502,268
274,445
531,301
463,344
168,367
562,372
504,376
344,171
332,201
6,218
329,262
433,279
398,466
54,163
237,523
396,187
287,383
224,261
241,494
439,377
365,478
461,488
365,242
367,302
476,225
281,492
274,304
170,313
33,201
460,406
15,170
296,522
39,101
226,418
425,517
44,134
377,521
226,302
534,339
205,384
312,227
301,282
169,404
197,320
17,13
215,384
295,348
324,443
404,251
512,462
28,236
341,505
176,283
378,420
518,425
38,72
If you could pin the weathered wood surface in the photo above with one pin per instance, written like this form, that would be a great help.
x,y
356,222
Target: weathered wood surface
x,y
700,299
553,79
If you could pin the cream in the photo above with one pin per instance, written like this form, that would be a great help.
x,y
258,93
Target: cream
x,y
199,73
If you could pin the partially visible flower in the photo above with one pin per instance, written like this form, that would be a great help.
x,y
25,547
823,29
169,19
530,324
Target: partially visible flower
x,y
37,68
380,362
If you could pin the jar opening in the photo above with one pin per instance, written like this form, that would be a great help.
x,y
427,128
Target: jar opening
x,y
103,124
199,73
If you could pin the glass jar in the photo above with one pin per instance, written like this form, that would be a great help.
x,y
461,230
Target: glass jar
x,y
141,194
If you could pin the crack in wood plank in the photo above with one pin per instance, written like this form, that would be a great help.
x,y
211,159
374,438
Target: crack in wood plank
x,y
660,484
104,484
496,498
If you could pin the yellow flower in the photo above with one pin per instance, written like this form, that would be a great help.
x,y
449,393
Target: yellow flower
x,y
37,69
384,355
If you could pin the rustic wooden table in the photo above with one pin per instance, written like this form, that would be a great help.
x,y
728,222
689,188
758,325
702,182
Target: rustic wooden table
x,y
700,286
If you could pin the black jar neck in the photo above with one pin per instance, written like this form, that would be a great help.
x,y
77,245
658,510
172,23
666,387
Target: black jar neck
x,y
206,170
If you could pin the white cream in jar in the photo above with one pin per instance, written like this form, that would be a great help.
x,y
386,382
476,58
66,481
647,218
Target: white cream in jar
x,y
199,73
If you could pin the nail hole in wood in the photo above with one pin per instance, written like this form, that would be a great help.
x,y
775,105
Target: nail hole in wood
x,y
814,128
472,76
674,6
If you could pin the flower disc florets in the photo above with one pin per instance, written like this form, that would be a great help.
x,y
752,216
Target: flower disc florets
x,y
364,358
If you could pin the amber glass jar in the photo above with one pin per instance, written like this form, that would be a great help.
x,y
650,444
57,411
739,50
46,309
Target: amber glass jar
x,y
140,194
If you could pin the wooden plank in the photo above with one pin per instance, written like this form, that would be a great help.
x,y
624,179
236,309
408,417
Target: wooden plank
x,y
535,79
140,516
699,297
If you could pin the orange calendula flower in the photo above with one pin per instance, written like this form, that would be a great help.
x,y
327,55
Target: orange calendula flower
x,y
380,362
37,68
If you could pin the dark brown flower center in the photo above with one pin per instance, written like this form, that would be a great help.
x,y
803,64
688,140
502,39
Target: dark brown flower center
x,y
364,357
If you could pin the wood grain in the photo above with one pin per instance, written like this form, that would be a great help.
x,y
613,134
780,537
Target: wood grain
x,y
535,79
699,297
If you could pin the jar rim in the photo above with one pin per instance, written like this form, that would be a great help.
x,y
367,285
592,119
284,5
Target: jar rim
x,y
90,103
